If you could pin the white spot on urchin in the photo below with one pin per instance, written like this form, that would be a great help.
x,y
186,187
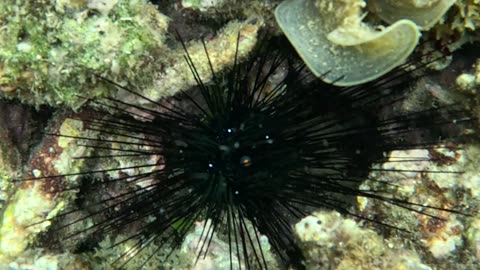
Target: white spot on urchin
x,y
224,148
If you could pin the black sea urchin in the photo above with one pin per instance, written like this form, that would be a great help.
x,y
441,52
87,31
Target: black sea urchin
x,y
261,144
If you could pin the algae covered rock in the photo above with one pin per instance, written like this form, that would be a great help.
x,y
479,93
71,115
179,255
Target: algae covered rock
x,y
9,163
34,203
50,50
330,241
440,177
37,259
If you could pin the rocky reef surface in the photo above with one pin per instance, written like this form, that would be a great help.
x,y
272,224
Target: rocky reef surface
x,y
52,52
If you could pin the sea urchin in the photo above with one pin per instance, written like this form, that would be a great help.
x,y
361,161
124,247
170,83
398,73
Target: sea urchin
x,y
261,144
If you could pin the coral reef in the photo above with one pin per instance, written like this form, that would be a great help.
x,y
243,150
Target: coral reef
x,y
34,201
216,257
9,162
460,23
177,75
467,17
45,46
38,260
473,237
204,5
447,181
108,252
187,257
18,124
330,241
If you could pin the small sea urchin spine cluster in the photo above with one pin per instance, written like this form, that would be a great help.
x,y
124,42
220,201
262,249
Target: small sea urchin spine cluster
x,y
250,153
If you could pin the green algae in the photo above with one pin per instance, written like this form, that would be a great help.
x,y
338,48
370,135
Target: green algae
x,y
337,46
50,51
